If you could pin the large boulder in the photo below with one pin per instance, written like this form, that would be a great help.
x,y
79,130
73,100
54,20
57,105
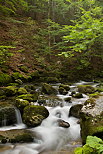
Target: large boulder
x,y
75,110
8,116
48,89
92,119
86,89
33,115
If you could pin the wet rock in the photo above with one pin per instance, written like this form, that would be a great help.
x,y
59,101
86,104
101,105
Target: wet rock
x,y
66,87
75,110
33,115
68,99
78,95
21,104
41,102
63,123
86,89
48,89
7,116
16,136
92,119
62,91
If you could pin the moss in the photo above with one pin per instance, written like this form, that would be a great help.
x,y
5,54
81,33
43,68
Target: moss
x,y
10,90
17,76
22,90
86,89
48,89
52,80
66,87
23,68
5,79
78,95
95,95
33,115
24,138
29,97
90,126
62,91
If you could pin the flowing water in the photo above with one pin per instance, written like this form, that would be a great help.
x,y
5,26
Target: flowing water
x,y
53,139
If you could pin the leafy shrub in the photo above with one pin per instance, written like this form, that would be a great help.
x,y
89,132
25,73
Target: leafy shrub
x,y
94,145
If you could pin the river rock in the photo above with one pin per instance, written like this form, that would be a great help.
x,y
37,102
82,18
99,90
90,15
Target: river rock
x,y
75,110
68,99
86,89
66,87
63,123
92,120
78,95
33,115
16,136
48,89
7,116
62,91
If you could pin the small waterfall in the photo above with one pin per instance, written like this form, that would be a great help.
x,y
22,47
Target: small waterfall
x,y
18,116
4,121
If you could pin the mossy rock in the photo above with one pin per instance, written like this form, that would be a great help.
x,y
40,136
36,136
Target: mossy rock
x,y
35,75
95,95
86,89
29,97
22,90
90,102
16,136
75,110
21,104
52,80
91,126
62,91
7,116
30,88
5,79
78,95
48,89
68,99
34,115
10,90
66,87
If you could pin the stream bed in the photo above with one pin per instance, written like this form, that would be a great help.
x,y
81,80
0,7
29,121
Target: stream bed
x,y
52,138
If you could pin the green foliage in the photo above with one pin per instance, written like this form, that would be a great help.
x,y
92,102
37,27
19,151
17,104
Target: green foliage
x,y
85,30
5,53
94,145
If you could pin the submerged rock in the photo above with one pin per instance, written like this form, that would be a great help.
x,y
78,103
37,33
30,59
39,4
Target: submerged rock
x,y
34,115
63,123
92,119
